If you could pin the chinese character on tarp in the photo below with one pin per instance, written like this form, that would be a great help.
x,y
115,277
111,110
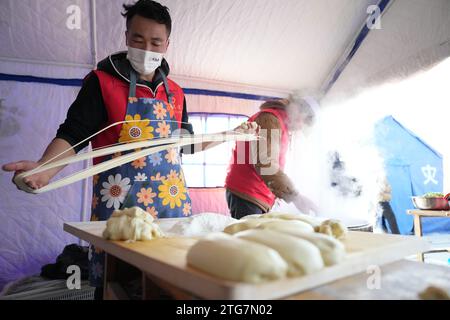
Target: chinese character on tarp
x,y
429,173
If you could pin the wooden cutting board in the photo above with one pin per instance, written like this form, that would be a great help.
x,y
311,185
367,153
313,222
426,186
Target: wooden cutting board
x,y
166,259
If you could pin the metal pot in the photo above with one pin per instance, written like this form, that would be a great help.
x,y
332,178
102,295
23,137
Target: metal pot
x,y
423,203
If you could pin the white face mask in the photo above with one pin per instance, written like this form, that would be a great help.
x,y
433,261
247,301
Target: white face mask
x,y
143,61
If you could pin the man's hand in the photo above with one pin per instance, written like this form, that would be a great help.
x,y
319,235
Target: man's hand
x,y
305,205
34,181
247,128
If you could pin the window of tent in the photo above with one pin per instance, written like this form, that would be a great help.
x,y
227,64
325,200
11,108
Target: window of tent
x,y
208,169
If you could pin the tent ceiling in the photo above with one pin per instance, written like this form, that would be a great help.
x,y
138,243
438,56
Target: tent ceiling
x,y
286,45
414,34
36,30
289,44
279,45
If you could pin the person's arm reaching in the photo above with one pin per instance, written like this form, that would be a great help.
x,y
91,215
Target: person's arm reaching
x,y
268,167
85,117
245,128
187,128
39,180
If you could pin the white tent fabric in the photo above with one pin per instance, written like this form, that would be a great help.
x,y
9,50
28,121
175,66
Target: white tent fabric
x,y
32,226
237,41
260,48
414,35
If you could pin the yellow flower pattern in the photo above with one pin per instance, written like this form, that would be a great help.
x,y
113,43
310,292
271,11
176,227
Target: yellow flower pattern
x,y
159,111
187,209
139,163
94,201
95,179
146,196
172,191
163,129
153,212
116,155
173,175
136,129
170,109
157,177
172,156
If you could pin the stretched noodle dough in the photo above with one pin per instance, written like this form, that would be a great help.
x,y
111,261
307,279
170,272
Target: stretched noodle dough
x,y
132,224
236,259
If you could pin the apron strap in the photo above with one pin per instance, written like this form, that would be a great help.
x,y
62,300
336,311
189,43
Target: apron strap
x,y
133,79
166,87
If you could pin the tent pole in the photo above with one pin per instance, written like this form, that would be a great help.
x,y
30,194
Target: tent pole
x,y
85,187
351,49
94,32
85,203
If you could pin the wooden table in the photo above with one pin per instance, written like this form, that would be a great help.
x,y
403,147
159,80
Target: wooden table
x,y
418,216
400,280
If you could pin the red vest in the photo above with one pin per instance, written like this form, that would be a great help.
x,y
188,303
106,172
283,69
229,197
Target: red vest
x,y
115,97
243,178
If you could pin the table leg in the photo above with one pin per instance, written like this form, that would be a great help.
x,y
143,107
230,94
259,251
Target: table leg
x,y
121,280
418,232
154,288
111,291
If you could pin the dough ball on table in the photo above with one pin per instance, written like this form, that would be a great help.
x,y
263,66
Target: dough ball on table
x,y
334,228
434,293
278,225
201,225
331,250
301,256
133,224
235,259
245,225
252,216
314,222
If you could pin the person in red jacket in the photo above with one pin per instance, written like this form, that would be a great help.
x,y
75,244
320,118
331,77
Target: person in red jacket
x,y
255,176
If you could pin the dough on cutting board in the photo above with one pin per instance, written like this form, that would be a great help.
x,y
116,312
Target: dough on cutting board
x,y
302,256
252,216
133,224
235,259
245,225
314,222
333,228
278,224
434,293
331,249
201,224
330,227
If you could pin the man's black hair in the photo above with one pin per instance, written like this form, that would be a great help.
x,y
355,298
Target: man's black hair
x,y
151,10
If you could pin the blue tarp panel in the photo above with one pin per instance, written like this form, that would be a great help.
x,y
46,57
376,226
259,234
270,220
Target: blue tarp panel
x,y
413,168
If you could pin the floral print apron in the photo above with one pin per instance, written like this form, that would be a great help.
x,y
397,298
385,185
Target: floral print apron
x,y
154,183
